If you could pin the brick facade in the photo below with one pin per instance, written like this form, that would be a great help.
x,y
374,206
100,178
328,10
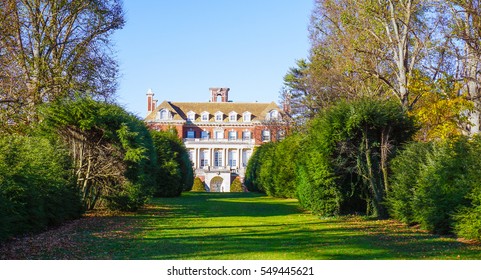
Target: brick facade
x,y
220,135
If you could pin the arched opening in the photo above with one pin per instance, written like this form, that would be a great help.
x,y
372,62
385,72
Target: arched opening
x,y
216,184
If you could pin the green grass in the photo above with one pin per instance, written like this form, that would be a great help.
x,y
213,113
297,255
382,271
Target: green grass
x,y
250,226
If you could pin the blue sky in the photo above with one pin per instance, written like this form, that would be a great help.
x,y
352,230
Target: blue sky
x,y
181,48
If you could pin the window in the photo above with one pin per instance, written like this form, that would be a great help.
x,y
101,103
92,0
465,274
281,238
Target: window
x,y
233,158
281,134
219,116
246,135
266,136
272,115
191,116
204,135
246,116
232,135
219,135
204,158
164,114
190,134
246,154
205,117
192,155
218,158
233,116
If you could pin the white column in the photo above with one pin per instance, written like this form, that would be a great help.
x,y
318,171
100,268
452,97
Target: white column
x,y
224,158
211,162
196,158
239,165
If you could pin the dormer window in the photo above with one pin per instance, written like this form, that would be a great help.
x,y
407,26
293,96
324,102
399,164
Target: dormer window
x,y
205,116
232,116
246,116
219,116
273,115
164,114
191,116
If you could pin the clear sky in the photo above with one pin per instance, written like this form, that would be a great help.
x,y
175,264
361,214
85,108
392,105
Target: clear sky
x,y
180,49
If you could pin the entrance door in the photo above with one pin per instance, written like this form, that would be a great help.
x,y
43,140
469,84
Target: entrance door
x,y
216,184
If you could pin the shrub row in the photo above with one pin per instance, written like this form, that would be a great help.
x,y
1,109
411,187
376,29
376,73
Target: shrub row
x,y
437,185
175,173
340,164
36,186
86,155
272,168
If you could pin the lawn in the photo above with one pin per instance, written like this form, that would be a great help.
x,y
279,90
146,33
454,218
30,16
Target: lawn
x,y
237,226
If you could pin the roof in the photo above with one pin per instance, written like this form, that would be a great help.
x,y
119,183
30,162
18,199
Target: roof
x,y
179,110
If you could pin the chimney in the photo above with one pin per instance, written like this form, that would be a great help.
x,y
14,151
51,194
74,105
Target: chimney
x,y
150,101
223,93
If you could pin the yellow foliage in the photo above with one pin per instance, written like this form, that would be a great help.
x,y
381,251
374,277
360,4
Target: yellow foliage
x,y
440,110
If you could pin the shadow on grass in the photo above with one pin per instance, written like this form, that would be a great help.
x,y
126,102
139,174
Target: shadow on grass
x,y
252,226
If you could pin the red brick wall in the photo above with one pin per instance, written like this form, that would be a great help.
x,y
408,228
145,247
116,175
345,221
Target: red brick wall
x,y
256,131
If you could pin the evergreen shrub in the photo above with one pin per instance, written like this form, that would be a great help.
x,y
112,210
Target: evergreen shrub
x,y
37,189
112,151
345,156
174,173
236,185
198,186
437,184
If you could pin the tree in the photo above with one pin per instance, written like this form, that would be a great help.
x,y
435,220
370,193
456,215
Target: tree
x,y
174,173
363,48
49,49
465,36
255,178
112,152
347,152
441,112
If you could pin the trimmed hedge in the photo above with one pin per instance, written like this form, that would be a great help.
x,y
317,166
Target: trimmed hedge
x,y
198,186
36,186
437,186
236,186
174,173
346,153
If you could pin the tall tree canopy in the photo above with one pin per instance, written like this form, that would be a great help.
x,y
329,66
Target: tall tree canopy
x,y
402,50
50,49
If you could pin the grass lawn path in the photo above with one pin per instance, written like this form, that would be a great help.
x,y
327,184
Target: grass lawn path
x,y
245,227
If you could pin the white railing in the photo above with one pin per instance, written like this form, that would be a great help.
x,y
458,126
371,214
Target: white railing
x,y
214,140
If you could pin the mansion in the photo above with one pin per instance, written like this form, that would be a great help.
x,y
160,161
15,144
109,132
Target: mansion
x,y
220,135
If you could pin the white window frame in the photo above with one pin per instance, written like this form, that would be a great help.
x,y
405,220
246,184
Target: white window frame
x,y
164,114
232,116
247,116
218,156
273,115
232,154
219,132
234,133
205,116
204,134
248,134
266,135
246,154
191,116
204,158
219,117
